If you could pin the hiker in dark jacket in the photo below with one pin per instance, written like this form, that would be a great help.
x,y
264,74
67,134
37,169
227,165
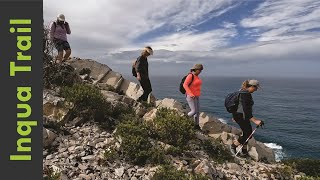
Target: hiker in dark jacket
x,y
243,116
143,73
58,35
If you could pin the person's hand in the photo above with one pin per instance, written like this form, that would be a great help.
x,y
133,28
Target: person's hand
x,y
192,96
260,123
139,77
233,120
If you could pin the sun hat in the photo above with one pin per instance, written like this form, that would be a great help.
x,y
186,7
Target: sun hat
x,y
61,17
254,82
197,66
148,49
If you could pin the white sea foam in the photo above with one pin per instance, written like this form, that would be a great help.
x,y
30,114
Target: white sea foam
x,y
278,150
273,146
222,120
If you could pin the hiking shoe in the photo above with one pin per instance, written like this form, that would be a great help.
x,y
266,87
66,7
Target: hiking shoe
x,y
245,153
233,149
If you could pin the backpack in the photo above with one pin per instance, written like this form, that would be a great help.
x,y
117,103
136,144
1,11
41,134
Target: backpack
x,y
134,73
182,90
232,101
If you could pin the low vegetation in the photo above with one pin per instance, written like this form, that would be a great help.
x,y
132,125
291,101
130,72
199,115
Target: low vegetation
x,y
311,167
169,172
171,128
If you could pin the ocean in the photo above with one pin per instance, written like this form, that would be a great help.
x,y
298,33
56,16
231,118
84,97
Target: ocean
x,y
289,108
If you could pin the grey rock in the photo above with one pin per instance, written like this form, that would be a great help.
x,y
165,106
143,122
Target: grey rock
x,y
119,172
140,172
233,167
90,157
62,150
50,156
82,167
84,176
83,153
131,171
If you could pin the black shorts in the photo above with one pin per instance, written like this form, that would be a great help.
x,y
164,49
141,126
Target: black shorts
x,y
61,44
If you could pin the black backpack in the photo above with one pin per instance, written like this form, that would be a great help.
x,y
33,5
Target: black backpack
x,y
232,101
134,73
182,90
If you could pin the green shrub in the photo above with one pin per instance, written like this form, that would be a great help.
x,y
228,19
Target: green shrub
x,y
83,95
285,173
109,88
199,177
169,172
216,151
59,75
85,71
311,167
309,178
136,146
51,175
121,110
175,151
111,155
172,129
89,104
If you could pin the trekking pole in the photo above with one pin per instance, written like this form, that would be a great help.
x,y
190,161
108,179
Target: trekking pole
x,y
247,139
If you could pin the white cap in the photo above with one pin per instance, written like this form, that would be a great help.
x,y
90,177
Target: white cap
x,y
61,17
254,82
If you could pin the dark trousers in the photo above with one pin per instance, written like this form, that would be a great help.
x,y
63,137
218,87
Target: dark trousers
x,y
147,89
245,126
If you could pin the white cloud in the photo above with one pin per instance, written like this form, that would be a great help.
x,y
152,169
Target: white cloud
x,y
284,19
288,58
291,50
190,41
116,24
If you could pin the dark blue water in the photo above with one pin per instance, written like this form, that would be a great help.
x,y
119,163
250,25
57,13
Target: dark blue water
x,y
289,107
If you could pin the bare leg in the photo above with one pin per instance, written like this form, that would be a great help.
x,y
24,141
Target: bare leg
x,y
66,56
59,57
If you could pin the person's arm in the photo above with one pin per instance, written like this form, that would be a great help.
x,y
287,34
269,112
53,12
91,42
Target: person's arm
x,y
186,85
51,32
67,28
247,108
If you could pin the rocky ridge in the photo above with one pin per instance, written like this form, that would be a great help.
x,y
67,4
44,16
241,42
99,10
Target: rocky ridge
x,y
79,153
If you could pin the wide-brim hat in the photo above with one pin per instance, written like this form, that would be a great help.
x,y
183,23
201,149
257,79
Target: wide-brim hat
x,y
61,17
197,67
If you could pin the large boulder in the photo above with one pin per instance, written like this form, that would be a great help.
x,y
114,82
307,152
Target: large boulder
x,y
212,125
152,99
170,104
98,70
55,107
48,137
112,79
264,153
149,116
131,89
111,96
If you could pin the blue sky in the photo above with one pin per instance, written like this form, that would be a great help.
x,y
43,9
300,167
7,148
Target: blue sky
x,y
252,38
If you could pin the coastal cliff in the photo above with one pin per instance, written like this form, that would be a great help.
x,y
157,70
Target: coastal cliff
x,y
95,129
